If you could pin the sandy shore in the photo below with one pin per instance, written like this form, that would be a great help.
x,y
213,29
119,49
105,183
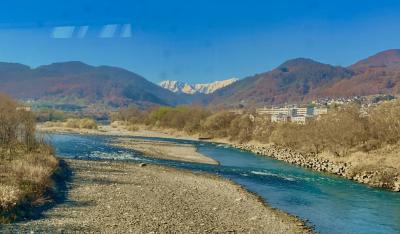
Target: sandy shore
x,y
166,150
116,197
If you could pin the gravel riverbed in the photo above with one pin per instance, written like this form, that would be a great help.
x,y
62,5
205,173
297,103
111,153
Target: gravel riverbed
x,y
166,150
121,197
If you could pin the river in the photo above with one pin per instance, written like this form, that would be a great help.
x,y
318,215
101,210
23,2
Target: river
x,y
329,203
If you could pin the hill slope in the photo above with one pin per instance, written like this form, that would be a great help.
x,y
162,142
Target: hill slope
x,y
384,59
378,74
290,82
301,80
76,82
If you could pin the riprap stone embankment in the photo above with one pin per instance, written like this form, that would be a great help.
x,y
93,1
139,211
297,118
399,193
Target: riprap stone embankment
x,y
374,178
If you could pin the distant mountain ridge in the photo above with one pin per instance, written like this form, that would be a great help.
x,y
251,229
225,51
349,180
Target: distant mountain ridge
x,y
294,81
301,80
377,74
77,82
387,58
183,87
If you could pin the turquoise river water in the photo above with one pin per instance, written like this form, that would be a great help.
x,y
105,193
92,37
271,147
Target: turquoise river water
x,y
330,204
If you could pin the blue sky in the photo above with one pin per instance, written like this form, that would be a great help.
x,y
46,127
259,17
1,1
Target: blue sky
x,y
196,41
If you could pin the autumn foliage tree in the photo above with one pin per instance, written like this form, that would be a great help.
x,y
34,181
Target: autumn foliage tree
x,y
17,126
218,124
384,123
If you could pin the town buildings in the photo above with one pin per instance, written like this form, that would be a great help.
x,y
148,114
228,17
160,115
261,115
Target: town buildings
x,y
292,113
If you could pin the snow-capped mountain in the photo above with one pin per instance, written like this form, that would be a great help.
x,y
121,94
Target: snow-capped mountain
x,y
183,87
177,86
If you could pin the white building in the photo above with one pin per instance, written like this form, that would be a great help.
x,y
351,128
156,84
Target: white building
x,y
23,108
301,119
279,118
320,111
300,111
294,114
274,111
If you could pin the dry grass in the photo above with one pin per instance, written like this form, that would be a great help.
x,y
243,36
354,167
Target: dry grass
x,y
8,196
383,164
385,157
85,123
24,180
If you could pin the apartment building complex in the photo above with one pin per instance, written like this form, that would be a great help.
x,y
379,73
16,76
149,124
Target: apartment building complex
x,y
292,114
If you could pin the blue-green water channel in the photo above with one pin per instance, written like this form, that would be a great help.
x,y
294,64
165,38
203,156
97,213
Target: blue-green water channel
x,y
330,204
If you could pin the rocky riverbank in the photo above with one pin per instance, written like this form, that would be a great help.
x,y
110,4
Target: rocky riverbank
x,y
123,197
375,178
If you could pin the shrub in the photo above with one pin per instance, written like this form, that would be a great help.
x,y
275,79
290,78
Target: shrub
x,y
241,128
384,122
217,125
87,124
72,123
263,128
287,135
53,115
131,115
